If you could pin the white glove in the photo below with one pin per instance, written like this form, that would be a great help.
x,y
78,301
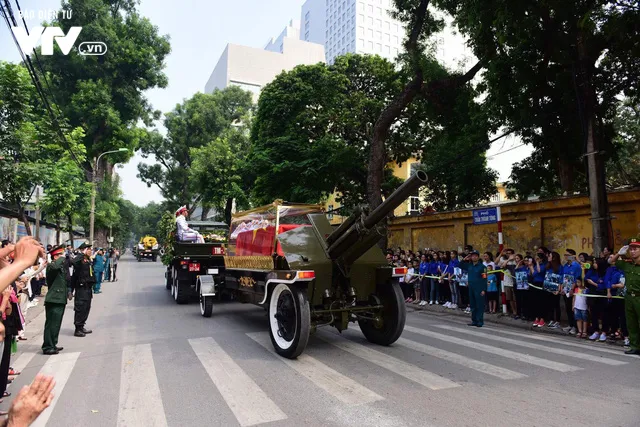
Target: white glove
x,y
623,250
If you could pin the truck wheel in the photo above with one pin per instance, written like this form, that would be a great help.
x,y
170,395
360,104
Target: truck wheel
x,y
289,320
168,279
206,306
180,293
394,314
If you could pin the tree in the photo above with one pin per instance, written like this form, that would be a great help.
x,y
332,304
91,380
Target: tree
x,y
216,171
556,69
104,94
623,169
192,124
314,126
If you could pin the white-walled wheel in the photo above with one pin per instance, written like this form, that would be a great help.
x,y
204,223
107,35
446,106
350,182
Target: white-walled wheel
x,y
206,306
289,320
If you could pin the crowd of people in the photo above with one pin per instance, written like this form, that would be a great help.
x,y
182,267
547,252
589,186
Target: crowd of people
x,y
537,287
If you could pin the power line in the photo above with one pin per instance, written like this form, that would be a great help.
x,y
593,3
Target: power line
x,y
9,18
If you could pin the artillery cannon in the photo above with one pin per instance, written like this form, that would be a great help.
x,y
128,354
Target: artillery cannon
x,y
288,259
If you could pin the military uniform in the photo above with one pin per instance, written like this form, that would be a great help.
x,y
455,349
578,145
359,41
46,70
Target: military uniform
x,y
55,301
631,272
82,282
477,274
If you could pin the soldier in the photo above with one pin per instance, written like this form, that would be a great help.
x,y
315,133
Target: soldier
x,y
55,301
631,272
82,282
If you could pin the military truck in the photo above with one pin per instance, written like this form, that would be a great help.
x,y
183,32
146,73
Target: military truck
x,y
147,248
193,268
287,258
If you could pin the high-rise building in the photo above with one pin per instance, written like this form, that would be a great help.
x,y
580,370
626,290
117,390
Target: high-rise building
x,y
359,26
251,68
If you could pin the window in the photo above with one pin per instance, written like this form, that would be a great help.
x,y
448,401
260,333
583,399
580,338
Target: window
x,y
387,49
395,51
361,31
306,37
361,18
378,11
387,38
387,25
361,43
370,32
378,35
378,23
282,45
378,47
395,40
371,9
414,204
370,21
370,46
361,6
306,25
306,16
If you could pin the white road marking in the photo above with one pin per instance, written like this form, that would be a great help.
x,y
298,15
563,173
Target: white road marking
x,y
397,366
140,399
555,350
60,367
538,337
244,397
550,364
21,362
333,382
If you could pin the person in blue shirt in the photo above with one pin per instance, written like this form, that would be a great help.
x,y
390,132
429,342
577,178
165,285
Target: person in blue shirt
x,y
424,282
538,297
453,284
597,285
477,286
571,271
521,286
492,289
615,281
434,270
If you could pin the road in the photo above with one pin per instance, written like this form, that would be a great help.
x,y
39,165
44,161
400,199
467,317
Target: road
x,y
150,362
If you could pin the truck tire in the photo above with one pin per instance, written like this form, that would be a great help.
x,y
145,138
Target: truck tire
x,y
180,293
289,320
168,275
206,306
394,315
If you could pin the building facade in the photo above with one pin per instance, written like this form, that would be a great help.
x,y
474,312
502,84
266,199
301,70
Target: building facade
x,y
251,68
357,26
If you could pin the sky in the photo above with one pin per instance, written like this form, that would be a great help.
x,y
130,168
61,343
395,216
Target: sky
x,y
199,31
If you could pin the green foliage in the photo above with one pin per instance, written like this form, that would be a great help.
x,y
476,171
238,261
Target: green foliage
x,y
195,123
104,94
624,168
167,235
314,126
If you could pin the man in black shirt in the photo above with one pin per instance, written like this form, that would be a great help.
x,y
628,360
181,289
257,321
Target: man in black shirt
x,y
82,283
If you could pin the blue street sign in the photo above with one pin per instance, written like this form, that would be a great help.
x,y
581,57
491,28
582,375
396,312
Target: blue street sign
x,y
485,216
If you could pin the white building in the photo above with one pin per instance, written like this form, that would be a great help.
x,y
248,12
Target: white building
x,y
359,26
252,68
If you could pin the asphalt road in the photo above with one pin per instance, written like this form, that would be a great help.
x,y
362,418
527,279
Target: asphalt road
x,y
150,362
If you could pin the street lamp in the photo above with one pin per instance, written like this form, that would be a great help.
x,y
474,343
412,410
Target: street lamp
x,y
93,190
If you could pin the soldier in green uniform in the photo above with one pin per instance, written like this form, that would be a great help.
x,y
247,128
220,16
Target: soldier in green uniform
x,y
82,283
477,286
55,301
631,272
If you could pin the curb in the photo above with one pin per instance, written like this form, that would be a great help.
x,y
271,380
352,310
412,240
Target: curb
x,y
498,319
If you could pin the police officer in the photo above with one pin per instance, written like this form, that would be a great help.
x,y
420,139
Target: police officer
x,y
631,272
82,282
477,286
55,301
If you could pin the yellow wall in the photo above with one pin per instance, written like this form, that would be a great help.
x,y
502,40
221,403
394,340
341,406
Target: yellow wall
x,y
557,224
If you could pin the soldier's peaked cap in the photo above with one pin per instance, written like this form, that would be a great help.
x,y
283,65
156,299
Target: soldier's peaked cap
x,y
634,241
85,245
56,250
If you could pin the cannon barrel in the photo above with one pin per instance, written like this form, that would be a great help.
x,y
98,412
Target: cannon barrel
x,y
359,226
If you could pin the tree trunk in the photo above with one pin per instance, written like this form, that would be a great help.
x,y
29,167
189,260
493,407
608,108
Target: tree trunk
x,y
70,228
227,211
25,220
58,232
566,176
205,212
595,163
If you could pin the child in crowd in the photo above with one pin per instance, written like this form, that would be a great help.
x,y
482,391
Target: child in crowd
x,y
492,289
580,308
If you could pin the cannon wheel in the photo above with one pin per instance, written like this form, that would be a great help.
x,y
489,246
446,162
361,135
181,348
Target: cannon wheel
x,y
289,320
394,315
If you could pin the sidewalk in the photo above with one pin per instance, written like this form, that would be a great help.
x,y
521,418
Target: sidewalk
x,y
499,318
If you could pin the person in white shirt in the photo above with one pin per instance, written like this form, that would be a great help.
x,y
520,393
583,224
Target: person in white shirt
x,y
184,233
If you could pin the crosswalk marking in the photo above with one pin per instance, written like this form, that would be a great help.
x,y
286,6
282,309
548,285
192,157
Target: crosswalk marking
x,y
539,337
59,366
397,366
140,399
555,350
486,368
245,398
550,364
333,382
22,361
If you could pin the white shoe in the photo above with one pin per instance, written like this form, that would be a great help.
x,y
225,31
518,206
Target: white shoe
x,y
446,305
437,302
422,303
454,306
430,302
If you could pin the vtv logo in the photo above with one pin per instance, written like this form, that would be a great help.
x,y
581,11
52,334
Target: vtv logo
x,y
28,42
